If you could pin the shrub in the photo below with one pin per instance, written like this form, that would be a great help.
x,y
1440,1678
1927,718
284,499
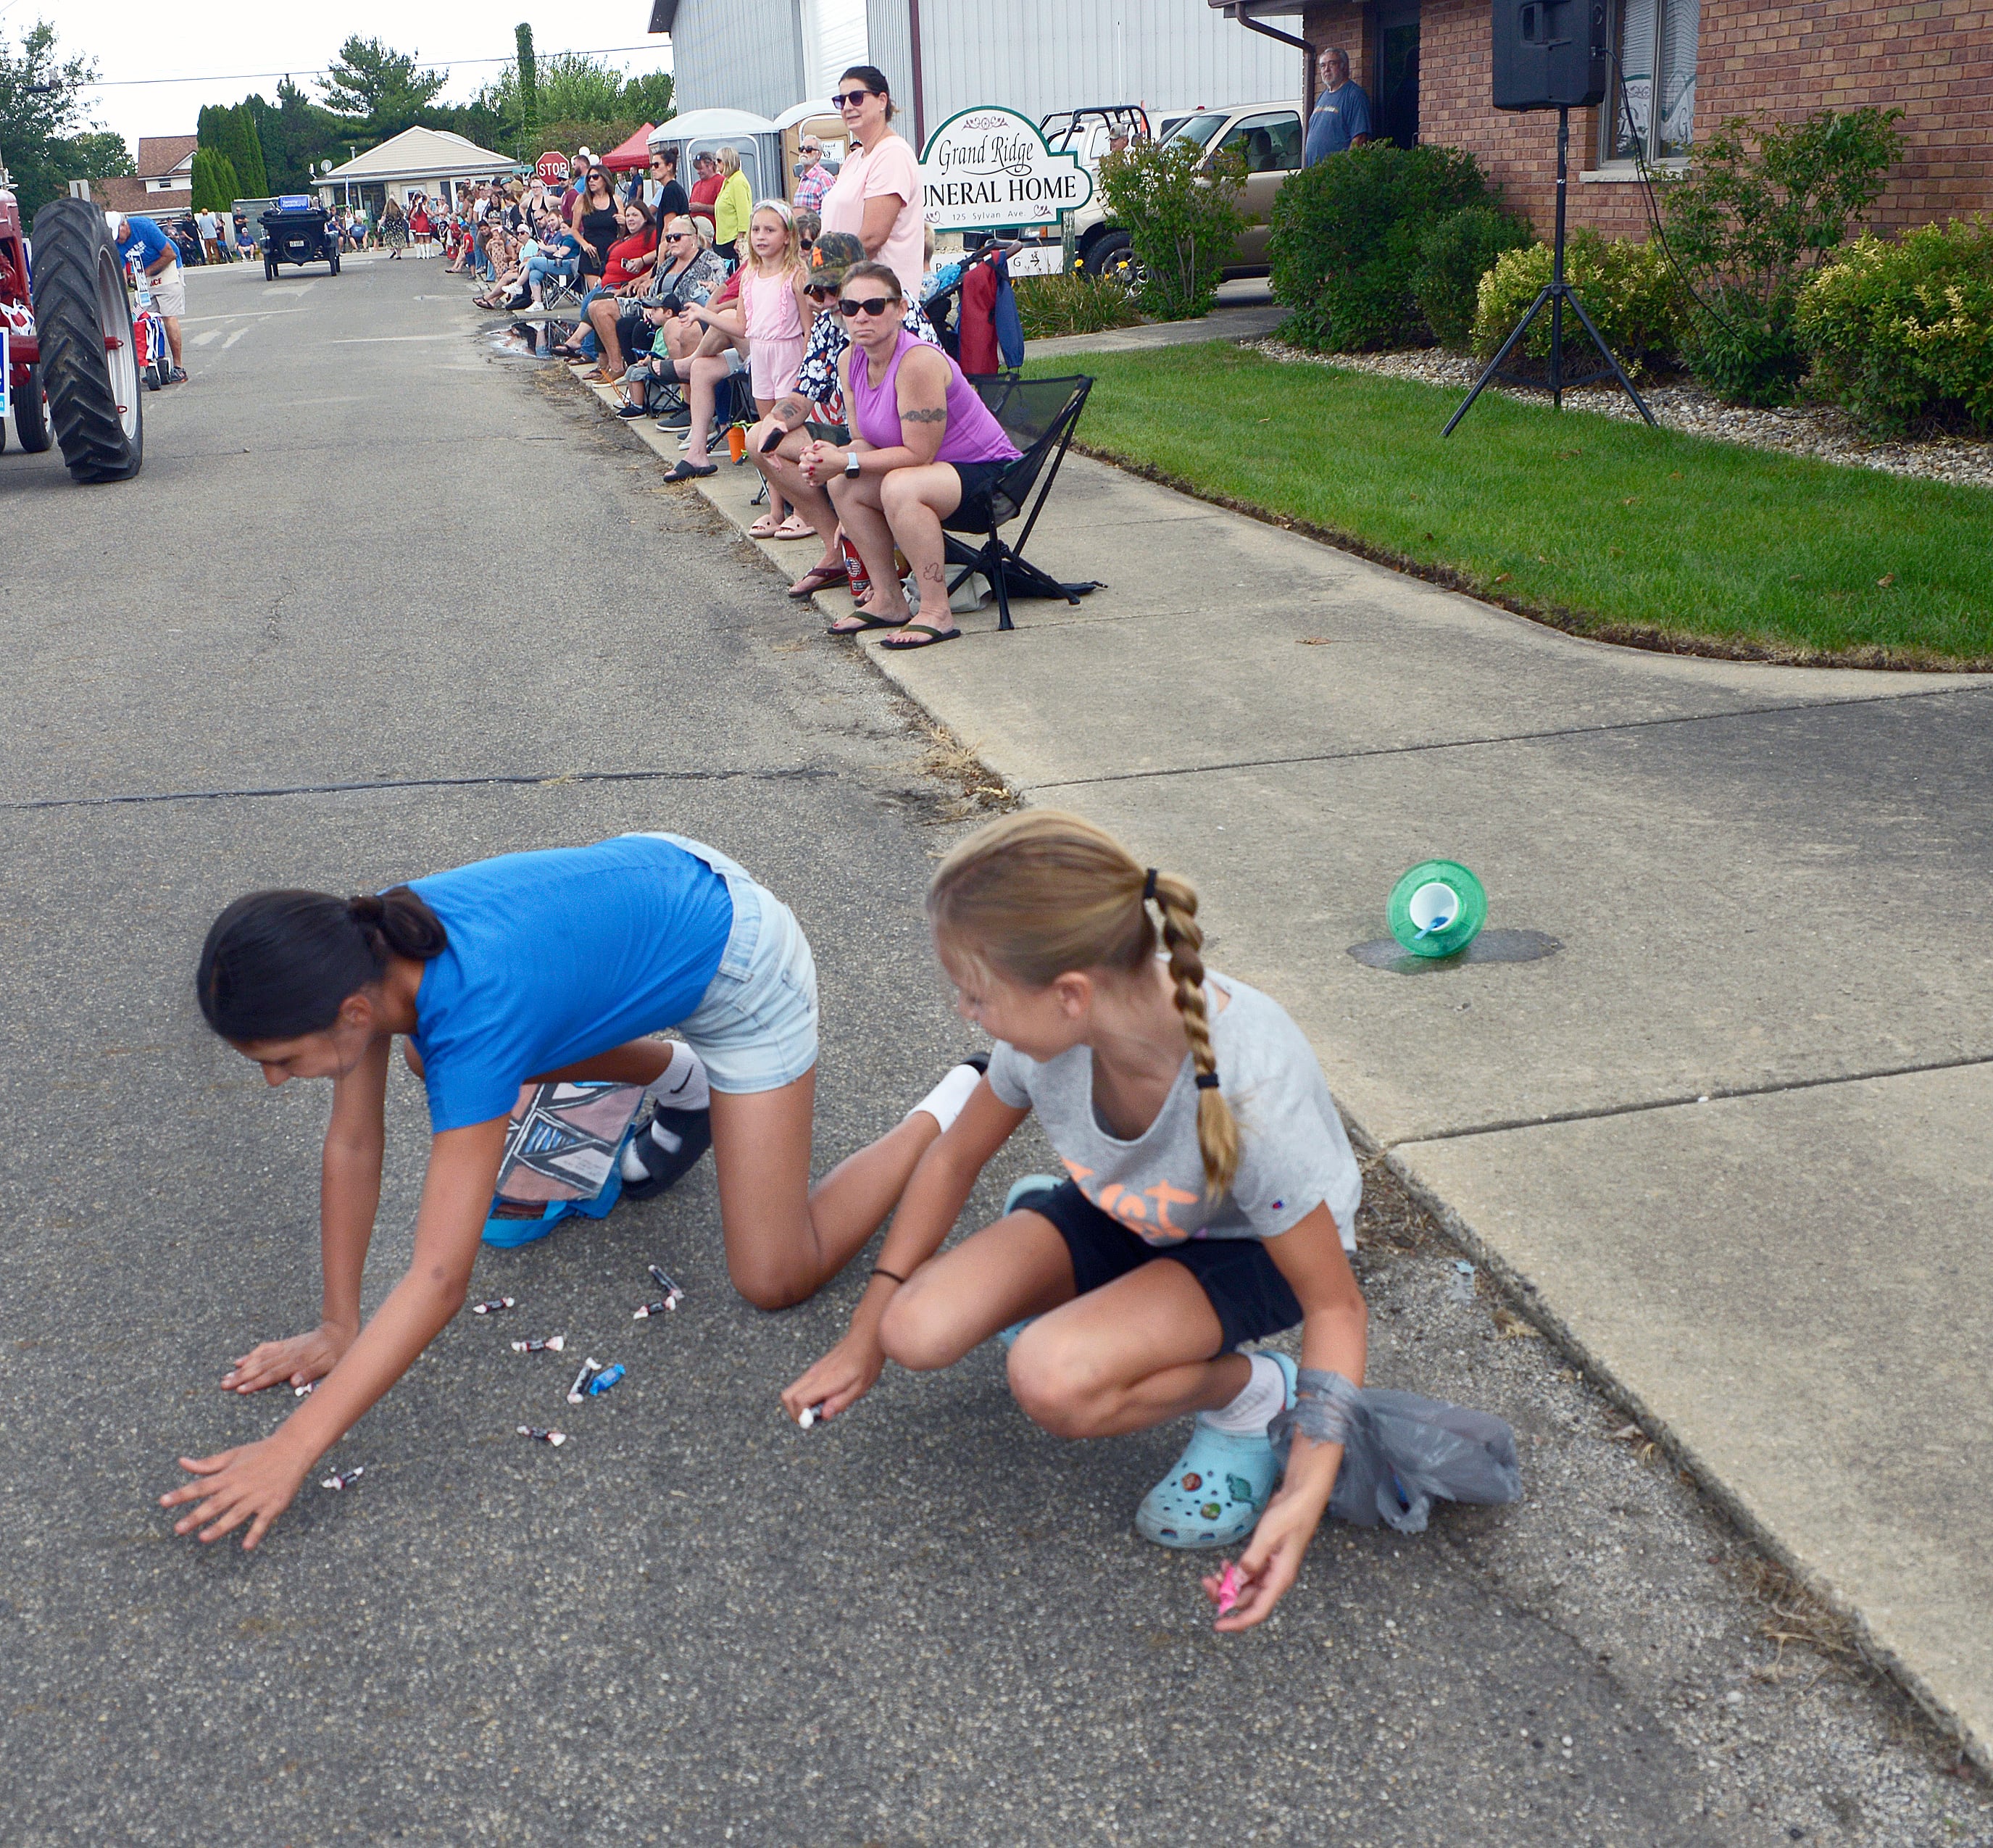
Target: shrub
x,y
1182,218
1345,239
1453,255
214,182
1049,306
1629,289
1764,204
1903,332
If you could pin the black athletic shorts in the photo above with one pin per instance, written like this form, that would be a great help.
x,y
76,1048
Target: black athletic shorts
x,y
1246,1289
977,478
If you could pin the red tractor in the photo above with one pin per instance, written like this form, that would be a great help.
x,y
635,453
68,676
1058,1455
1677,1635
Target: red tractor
x,y
72,366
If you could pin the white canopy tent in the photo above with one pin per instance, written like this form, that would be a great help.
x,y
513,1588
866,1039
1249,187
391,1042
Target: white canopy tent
x,y
429,160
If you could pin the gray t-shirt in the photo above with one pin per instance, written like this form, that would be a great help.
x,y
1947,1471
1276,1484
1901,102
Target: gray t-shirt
x,y
1294,1153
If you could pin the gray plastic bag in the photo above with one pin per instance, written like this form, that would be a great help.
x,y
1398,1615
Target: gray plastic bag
x,y
1400,1451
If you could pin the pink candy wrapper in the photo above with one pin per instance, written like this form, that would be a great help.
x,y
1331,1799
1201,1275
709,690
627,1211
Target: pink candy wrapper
x,y
1228,1587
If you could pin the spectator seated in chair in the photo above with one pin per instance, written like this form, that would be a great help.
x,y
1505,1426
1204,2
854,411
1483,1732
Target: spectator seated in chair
x,y
815,410
923,446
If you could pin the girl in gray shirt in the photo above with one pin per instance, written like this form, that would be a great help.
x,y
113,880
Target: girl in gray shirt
x,y
1210,1199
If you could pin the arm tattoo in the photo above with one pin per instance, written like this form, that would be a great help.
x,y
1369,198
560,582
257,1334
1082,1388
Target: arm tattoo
x,y
790,411
925,414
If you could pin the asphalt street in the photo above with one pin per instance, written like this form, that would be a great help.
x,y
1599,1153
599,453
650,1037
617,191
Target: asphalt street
x,y
381,601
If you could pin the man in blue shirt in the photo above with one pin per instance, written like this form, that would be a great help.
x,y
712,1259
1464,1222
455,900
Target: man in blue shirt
x,y
1341,118
161,262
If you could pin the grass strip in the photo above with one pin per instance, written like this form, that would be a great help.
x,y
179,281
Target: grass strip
x,y
1604,529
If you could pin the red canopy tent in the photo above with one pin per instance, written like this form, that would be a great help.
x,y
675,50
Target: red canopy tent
x,y
634,152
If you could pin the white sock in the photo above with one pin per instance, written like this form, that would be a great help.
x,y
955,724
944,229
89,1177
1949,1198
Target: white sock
x,y
683,1086
1264,1395
944,1103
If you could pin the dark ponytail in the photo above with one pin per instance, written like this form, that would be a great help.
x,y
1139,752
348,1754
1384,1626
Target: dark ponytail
x,y
279,964
874,79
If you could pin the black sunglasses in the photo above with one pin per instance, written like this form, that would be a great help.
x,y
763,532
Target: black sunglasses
x,y
820,291
851,98
872,305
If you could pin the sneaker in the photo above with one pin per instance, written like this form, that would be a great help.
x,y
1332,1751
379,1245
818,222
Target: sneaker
x,y
629,413
177,376
680,419
664,1153
1216,1490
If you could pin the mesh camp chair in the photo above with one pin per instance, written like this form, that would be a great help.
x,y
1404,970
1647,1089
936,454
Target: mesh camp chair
x,y
1038,415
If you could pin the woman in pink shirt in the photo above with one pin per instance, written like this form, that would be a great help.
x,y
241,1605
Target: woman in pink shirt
x,y
877,195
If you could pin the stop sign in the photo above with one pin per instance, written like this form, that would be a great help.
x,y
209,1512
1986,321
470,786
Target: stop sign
x,y
552,169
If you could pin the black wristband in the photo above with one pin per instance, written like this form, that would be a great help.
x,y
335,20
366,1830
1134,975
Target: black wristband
x,y
880,1270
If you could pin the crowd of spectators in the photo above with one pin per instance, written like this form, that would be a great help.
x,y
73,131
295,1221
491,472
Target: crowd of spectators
x,y
795,328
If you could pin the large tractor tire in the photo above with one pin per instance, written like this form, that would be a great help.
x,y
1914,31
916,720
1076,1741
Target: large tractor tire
x,y
82,318
31,414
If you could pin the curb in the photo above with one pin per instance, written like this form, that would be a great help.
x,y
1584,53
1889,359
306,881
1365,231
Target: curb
x,y
729,495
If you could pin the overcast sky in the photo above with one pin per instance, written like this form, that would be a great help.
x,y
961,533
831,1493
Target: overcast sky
x,y
210,41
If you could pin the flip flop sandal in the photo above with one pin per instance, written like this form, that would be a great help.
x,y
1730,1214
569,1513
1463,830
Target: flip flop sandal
x,y
1216,1491
688,470
766,527
793,529
935,636
860,622
818,577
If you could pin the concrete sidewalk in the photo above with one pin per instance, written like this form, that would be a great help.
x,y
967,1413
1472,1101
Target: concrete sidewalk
x,y
1728,1143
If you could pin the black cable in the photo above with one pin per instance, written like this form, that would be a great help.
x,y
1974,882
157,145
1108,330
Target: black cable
x,y
1640,166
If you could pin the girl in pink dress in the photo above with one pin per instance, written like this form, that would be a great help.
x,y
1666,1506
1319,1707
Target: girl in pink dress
x,y
777,314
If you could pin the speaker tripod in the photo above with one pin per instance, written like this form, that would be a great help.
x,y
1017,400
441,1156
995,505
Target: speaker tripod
x,y
1554,294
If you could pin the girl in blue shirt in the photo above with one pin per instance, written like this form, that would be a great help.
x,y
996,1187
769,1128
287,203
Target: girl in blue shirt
x,y
524,968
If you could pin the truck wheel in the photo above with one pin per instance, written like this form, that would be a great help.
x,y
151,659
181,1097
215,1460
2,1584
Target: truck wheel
x,y
31,414
269,270
335,263
1114,257
89,366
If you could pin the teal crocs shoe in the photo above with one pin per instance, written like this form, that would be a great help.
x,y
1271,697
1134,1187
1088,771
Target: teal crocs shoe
x,y
1214,1494
1021,1191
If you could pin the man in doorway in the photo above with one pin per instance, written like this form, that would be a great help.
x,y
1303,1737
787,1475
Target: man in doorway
x,y
706,187
1341,118
161,262
813,178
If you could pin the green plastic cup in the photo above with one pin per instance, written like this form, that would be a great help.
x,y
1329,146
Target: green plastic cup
x,y
1438,908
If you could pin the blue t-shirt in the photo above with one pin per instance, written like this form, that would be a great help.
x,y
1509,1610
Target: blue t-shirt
x,y
556,956
143,233
1340,116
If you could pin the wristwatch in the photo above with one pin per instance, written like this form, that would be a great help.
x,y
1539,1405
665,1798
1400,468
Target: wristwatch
x,y
851,463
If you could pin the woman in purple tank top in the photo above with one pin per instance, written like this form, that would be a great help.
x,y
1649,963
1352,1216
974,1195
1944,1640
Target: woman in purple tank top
x,y
923,446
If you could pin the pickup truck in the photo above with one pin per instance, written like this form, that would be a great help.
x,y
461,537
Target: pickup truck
x,y
1266,136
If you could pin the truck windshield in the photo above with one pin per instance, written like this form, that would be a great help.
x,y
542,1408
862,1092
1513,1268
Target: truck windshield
x,y
1198,128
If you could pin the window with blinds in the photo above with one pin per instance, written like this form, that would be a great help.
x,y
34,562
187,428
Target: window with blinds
x,y
1652,118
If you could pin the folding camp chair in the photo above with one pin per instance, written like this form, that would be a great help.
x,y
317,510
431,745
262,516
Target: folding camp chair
x,y
1038,415
560,291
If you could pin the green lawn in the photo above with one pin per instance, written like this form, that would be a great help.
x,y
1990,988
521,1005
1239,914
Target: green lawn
x,y
1606,528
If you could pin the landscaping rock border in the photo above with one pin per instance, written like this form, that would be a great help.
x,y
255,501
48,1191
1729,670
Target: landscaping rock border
x,y
1817,430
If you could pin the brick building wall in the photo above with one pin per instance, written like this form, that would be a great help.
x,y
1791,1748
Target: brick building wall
x,y
1932,58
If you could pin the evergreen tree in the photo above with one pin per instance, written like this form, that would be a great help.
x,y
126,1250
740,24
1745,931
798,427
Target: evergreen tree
x,y
244,150
371,87
529,88
214,183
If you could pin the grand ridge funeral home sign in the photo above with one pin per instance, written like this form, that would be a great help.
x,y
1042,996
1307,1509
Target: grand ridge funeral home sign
x,y
989,167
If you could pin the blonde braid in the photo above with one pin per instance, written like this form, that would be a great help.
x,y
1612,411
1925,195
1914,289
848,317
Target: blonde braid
x,y
1034,894
1217,1129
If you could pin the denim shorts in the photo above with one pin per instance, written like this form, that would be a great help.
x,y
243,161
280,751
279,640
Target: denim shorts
x,y
755,1026
1249,1293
